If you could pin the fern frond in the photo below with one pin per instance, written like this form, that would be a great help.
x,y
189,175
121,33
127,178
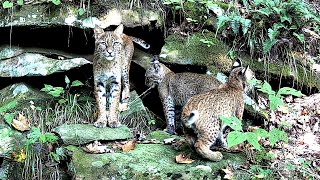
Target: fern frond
x,y
272,33
222,21
267,45
246,24
300,37
235,24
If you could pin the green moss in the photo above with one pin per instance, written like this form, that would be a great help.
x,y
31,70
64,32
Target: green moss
x,y
146,161
301,75
191,50
158,135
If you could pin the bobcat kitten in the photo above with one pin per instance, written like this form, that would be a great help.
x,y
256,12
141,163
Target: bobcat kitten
x,y
200,116
176,88
111,64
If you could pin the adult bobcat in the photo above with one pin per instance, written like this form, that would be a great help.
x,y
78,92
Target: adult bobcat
x,y
111,64
200,116
176,88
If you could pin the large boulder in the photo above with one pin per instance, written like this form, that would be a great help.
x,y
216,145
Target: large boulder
x,y
203,49
77,134
103,13
146,161
18,62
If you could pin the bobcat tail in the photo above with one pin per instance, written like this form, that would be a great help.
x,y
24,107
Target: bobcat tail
x,y
141,42
193,117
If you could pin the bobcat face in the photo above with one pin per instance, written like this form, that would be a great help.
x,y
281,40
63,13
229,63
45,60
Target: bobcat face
x,y
154,74
108,44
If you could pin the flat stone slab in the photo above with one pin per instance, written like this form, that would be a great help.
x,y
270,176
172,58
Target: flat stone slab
x,y
146,161
77,134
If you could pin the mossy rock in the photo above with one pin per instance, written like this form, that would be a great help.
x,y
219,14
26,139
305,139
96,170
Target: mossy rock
x,y
77,134
17,97
192,51
104,13
303,76
146,161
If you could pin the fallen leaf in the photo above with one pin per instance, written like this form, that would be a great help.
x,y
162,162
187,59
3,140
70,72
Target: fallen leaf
x,y
184,159
22,124
96,147
19,157
229,173
129,146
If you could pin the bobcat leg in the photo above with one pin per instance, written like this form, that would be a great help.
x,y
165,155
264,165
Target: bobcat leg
x,y
114,99
168,109
202,146
125,94
100,95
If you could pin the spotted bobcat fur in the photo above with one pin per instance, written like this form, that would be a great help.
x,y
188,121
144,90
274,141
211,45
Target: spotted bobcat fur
x,y
200,115
176,88
111,65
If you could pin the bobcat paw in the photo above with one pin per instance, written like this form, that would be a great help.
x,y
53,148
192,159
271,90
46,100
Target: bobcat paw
x,y
100,124
217,156
114,124
123,107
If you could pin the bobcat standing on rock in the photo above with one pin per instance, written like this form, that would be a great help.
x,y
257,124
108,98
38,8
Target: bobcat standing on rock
x,y
176,88
111,64
200,116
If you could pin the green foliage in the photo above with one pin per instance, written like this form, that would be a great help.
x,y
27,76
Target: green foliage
x,y
8,117
35,136
238,136
60,92
7,4
274,97
56,2
269,23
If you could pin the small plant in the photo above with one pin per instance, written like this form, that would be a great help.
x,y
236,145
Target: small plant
x,y
274,97
8,117
238,136
58,92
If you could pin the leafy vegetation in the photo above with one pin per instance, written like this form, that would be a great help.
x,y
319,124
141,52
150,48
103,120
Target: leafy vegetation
x,y
270,26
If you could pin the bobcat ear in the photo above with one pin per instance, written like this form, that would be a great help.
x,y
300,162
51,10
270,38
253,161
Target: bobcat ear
x,y
237,63
155,59
243,71
98,31
119,30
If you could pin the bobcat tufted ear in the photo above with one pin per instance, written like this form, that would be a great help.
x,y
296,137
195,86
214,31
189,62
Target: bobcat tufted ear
x,y
156,63
119,30
237,63
244,71
98,31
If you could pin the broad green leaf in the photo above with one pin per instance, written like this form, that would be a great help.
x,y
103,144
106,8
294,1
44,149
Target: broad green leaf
x,y
8,117
252,138
233,122
76,83
261,132
266,88
62,101
289,91
7,4
276,135
47,88
80,11
275,101
66,80
56,92
56,2
8,106
20,2
235,138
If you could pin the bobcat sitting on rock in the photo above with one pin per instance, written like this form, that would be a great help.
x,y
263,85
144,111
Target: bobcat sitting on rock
x,y
176,88
200,116
111,64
